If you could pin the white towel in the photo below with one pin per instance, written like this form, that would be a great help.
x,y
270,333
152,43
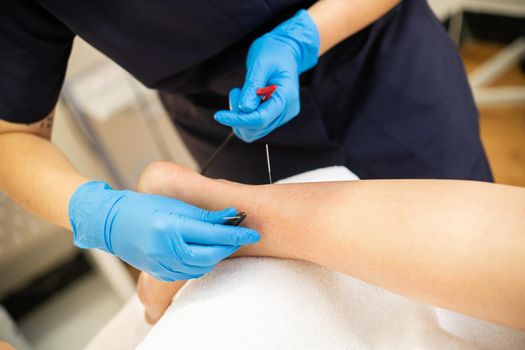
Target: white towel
x,y
264,303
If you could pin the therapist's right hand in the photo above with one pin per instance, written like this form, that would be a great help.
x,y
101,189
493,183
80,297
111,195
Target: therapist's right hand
x,y
162,236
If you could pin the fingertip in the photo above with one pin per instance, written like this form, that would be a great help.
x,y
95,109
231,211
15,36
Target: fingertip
x,y
218,115
254,237
250,237
221,117
231,119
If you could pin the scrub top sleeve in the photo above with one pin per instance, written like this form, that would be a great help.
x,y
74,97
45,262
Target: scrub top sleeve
x,y
34,49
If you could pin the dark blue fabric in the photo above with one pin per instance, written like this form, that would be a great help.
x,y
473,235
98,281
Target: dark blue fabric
x,y
34,48
162,43
392,101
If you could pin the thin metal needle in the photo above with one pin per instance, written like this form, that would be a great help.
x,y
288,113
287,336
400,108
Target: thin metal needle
x,y
217,152
224,143
268,162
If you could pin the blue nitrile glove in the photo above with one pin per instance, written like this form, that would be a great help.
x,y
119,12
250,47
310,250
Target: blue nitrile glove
x,y
163,236
278,57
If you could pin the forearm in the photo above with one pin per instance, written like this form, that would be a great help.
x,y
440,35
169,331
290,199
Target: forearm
x,y
37,176
458,245
336,20
455,244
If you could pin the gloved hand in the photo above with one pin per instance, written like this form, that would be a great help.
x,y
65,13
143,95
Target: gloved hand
x,y
163,236
278,57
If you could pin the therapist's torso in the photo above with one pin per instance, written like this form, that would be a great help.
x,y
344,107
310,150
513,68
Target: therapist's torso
x,y
360,105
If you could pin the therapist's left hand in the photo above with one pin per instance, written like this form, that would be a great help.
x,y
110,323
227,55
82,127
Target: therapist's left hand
x,y
278,57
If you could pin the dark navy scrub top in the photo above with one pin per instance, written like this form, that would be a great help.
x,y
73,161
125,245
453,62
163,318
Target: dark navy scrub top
x,y
155,40
392,101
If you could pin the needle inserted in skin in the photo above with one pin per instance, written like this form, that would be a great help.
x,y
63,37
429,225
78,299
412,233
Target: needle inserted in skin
x,y
268,162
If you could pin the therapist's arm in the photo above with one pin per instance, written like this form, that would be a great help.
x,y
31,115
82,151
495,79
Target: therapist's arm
x,y
454,244
163,236
34,172
336,20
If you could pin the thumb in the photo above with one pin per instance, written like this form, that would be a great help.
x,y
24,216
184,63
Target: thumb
x,y
235,96
255,78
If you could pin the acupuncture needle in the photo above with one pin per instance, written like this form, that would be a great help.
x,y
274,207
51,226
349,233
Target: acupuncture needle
x,y
268,163
217,152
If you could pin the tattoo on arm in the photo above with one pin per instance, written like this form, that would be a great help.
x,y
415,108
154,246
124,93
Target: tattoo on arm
x,y
47,122
42,128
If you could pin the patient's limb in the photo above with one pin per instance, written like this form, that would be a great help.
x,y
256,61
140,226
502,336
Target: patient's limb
x,y
156,295
455,244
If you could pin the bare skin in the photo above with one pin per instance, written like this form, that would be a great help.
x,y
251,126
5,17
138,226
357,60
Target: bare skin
x,y
26,150
454,244
6,346
339,19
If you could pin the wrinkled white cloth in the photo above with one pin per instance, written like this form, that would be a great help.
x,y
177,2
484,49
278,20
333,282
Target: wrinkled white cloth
x,y
259,303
